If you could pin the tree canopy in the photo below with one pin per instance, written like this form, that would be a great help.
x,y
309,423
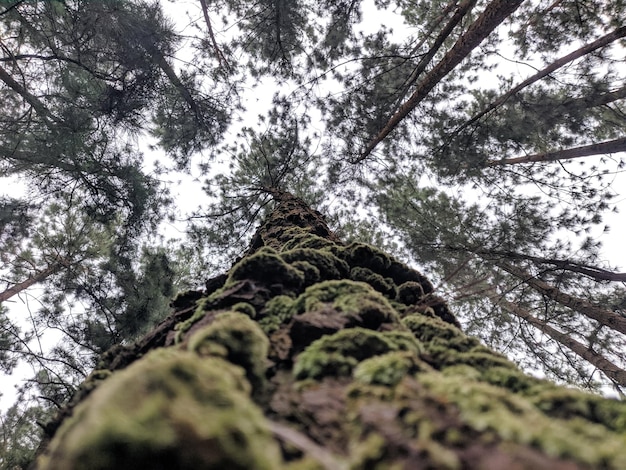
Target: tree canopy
x,y
479,138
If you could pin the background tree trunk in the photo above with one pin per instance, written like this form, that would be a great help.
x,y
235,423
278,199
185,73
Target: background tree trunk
x,y
313,354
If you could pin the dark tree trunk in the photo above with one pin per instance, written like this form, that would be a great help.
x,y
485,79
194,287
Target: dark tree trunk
x,y
313,354
495,13
602,148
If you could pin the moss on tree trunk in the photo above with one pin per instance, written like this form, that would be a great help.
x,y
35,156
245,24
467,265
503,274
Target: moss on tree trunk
x,y
310,354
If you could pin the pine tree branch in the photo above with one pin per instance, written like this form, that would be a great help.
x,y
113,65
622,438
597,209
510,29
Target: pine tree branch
x,y
602,148
169,71
495,13
31,99
588,48
461,11
593,101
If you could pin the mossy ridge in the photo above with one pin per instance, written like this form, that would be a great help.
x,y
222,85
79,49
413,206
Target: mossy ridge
x,y
277,311
384,285
169,409
267,267
367,256
338,354
438,419
514,418
348,298
233,336
299,237
427,328
213,303
564,403
389,369
328,265
203,306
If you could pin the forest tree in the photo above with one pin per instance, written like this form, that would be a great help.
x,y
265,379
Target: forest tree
x,y
142,142
310,353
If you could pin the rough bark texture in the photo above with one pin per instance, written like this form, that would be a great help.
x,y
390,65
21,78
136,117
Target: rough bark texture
x,y
310,354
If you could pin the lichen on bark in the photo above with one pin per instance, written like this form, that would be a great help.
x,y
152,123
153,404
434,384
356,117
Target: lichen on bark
x,y
314,354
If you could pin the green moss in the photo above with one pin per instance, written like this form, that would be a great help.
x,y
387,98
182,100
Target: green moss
x,y
372,454
350,298
235,337
405,341
388,369
510,378
482,360
442,356
199,313
328,265
339,353
462,370
410,292
567,403
267,267
296,237
384,285
507,417
306,463
277,311
427,329
367,256
310,272
90,383
318,364
185,299
170,409
245,308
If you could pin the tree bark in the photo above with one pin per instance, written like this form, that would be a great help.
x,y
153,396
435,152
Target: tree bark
x,y
32,280
612,371
593,272
495,13
310,353
216,49
602,148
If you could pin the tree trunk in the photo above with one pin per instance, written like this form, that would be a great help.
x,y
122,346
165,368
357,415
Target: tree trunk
x,y
602,148
495,13
604,316
593,272
32,280
611,370
313,354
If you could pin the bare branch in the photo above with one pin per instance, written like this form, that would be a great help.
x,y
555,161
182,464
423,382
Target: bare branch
x,y
218,53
